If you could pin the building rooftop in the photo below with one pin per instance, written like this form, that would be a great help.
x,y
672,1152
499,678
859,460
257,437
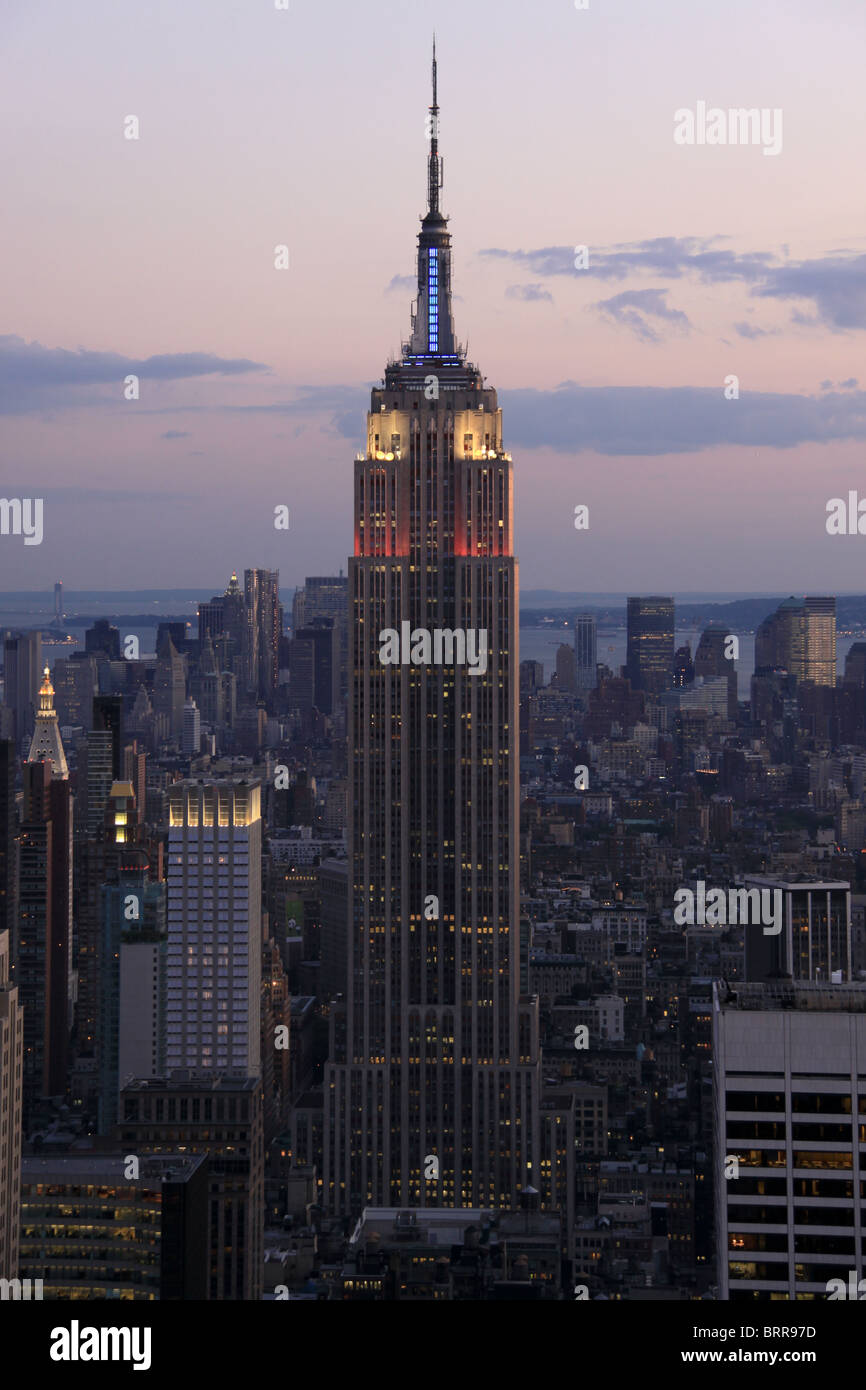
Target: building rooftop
x,y
103,1166
446,1224
797,881
187,1080
800,995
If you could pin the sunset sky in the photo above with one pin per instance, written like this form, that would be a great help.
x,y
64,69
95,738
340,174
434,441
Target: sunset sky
x,y
261,126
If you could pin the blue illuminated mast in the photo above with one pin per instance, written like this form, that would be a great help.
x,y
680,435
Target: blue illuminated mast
x,y
433,335
435,166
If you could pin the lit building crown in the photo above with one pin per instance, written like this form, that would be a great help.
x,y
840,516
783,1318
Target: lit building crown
x,y
46,744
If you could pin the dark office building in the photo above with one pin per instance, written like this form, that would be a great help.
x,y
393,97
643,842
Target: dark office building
x,y
220,1115
586,651
104,638
8,847
855,666
326,597
650,643
223,620
45,931
684,669
178,634
21,676
314,672
710,662
107,718
264,625
91,1231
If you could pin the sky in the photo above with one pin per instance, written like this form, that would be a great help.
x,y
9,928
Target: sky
x,y
304,127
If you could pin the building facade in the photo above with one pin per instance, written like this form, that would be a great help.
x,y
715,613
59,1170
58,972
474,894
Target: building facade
x,y
789,1062
92,1228
586,651
213,987
432,1085
815,940
11,1091
650,643
221,1116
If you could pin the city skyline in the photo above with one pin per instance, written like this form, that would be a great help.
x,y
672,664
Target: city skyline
x,y
732,272
373,928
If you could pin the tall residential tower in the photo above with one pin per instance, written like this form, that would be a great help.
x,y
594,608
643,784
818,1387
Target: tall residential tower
x,y
432,1085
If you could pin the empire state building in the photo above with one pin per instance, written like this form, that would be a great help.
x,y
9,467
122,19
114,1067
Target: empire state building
x,y
432,1087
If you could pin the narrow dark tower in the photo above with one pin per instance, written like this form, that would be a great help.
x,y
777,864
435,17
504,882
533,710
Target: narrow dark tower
x,y
431,1091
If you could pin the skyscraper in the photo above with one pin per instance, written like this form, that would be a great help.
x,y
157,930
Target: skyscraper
x,y
132,910
220,1115
45,930
46,742
45,938
8,849
191,742
169,690
710,661
326,597
566,668
223,620
103,638
11,1074
815,940
72,1207
99,852
108,719
788,1066
21,653
214,961
800,637
264,626
819,647
141,983
314,665
585,650
650,643
432,1085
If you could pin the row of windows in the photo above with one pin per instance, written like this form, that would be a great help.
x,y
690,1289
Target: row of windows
x,y
811,1102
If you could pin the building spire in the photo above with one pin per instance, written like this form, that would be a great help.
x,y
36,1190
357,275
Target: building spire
x,y
434,162
433,333
46,744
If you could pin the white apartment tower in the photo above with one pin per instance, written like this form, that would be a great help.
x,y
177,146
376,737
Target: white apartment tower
x,y
213,987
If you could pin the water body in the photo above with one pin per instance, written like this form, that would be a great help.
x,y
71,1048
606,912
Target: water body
x,y
536,643
540,644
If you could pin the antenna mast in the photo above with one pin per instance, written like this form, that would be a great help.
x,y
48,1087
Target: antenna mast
x,y
434,166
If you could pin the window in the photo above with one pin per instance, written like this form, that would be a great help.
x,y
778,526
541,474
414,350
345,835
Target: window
x,y
432,300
